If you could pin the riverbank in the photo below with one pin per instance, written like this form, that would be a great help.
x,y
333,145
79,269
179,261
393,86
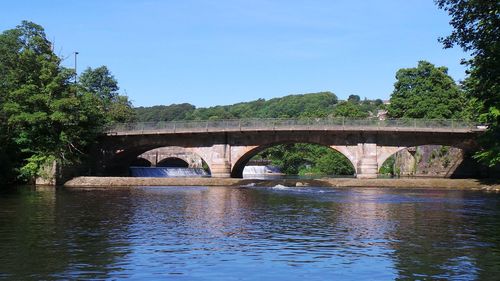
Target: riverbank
x,y
493,185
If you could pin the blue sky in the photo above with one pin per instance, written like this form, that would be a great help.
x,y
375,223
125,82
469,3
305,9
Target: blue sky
x,y
210,52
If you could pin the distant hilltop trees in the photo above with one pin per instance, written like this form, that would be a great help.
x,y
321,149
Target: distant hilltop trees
x,y
322,104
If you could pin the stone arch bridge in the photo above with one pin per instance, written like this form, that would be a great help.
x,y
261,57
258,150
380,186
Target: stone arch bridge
x,y
227,145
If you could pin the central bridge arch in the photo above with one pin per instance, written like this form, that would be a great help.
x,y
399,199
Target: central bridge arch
x,y
244,155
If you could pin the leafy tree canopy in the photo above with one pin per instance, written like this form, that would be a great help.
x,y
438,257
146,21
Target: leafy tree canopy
x,y
100,82
350,109
476,29
306,105
39,104
44,115
172,112
425,91
308,159
323,104
354,98
103,85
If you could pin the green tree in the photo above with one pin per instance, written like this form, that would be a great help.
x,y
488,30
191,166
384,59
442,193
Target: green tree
x,y
425,92
307,159
333,163
121,111
290,158
43,117
350,109
354,98
172,112
293,106
477,30
388,166
101,83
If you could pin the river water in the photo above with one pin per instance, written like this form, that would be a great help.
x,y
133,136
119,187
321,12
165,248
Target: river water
x,y
249,233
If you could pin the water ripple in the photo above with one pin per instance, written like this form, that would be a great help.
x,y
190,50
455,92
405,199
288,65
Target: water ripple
x,y
249,233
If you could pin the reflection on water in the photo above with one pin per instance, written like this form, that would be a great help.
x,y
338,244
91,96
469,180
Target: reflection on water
x,y
217,233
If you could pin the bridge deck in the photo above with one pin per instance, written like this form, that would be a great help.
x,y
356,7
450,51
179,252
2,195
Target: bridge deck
x,y
318,124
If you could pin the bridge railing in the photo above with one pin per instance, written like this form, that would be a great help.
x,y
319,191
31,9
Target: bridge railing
x,y
289,124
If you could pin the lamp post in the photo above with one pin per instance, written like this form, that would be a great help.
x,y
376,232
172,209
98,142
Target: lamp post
x,y
76,74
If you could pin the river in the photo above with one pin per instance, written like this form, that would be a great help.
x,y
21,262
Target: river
x,y
249,233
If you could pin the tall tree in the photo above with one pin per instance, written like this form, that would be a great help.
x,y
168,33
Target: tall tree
x,y
43,117
477,30
354,98
425,92
103,85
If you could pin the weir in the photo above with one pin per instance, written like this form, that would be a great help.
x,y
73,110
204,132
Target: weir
x,y
167,172
260,170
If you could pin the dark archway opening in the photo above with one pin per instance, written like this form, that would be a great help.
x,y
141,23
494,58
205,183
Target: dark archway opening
x,y
293,159
140,162
172,162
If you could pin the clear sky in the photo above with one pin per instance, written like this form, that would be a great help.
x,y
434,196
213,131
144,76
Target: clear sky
x,y
210,52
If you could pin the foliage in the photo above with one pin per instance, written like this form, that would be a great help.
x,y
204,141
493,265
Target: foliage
x,y
307,105
354,98
38,99
490,141
35,164
303,158
324,104
388,166
101,83
7,156
333,163
350,109
120,111
44,116
172,112
477,30
425,92
443,150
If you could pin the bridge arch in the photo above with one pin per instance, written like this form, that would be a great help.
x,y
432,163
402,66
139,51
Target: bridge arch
x,y
243,155
172,162
146,156
433,160
173,156
388,152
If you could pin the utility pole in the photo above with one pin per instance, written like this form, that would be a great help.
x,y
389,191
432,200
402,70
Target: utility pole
x,y
76,73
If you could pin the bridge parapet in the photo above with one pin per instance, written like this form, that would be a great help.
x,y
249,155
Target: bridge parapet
x,y
306,124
